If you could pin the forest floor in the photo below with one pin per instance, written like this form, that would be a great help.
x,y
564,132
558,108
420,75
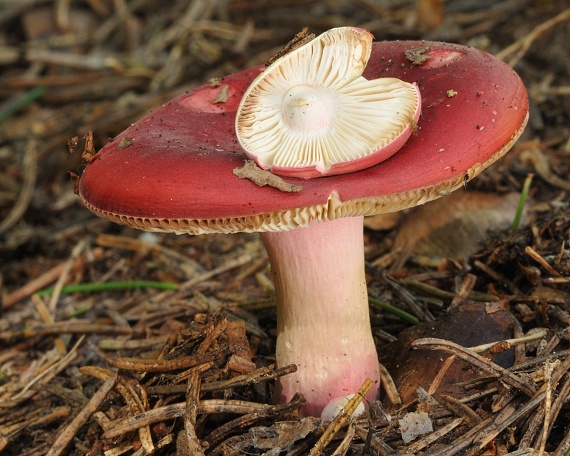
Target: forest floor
x,y
69,68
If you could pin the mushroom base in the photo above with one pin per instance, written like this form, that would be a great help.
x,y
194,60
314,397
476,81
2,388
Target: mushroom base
x,y
323,320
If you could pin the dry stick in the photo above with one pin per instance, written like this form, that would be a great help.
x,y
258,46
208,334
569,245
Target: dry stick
x,y
240,261
185,374
260,375
130,396
533,427
75,252
562,354
551,344
460,409
538,335
560,372
131,344
81,418
215,437
390,388
68,327
47,318
185,286
465,440
137,400
342,449
380,447
406,296
51,371
479,395
491,426
478,361
498,277
30,167
416,447
135,245
443,294
464,290
527,438
520,350
43,280
556,280
191,413
177,410
561,399
161,365
440,374
536,257
341,419
116,20
499,426
25,423
547,406
521,46
54,415
51,307
211,337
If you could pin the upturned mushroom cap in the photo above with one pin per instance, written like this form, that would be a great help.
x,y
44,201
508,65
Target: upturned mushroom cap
x,y
311,113
173,169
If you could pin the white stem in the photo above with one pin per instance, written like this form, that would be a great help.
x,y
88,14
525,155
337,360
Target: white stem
x,y
323,322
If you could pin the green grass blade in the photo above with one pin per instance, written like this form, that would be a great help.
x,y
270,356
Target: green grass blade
x,y
116,286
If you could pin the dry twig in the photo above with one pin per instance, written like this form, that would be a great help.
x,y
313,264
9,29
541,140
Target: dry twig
x,y
81,418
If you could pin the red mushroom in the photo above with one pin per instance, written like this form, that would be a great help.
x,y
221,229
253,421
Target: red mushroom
x,y
173,171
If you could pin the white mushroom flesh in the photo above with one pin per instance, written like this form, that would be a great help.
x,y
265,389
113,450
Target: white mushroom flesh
x,y
312,108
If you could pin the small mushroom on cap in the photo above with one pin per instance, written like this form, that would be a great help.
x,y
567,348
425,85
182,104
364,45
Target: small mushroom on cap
x,y
312,113
176,175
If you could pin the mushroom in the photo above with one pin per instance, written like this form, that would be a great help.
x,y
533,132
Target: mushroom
x,y
173,171
311,113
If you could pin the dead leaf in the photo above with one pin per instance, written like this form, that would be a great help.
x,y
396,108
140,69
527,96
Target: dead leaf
x,y
469,325
262,177
455,226
418,55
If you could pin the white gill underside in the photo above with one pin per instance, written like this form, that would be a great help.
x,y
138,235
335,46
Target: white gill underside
x,y
312,107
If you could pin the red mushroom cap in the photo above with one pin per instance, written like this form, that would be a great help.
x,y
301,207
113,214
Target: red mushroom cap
x,y
175,170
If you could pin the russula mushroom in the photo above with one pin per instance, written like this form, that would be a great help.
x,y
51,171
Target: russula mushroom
x,y
311,113
173,171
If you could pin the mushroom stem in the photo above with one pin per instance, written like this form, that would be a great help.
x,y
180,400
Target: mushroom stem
x,y
323,322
